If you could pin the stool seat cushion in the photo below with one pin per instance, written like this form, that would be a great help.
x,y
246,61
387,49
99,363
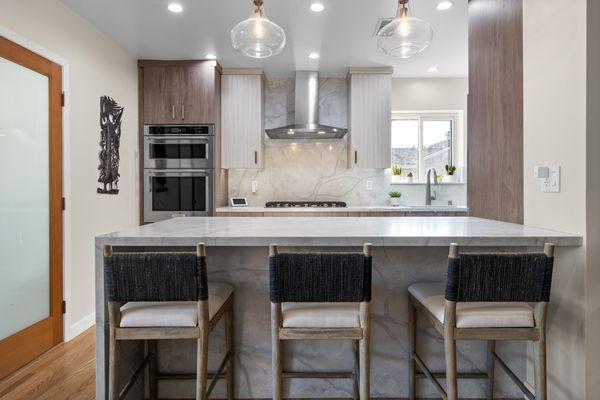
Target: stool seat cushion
x,y
473,315
173,313
320,315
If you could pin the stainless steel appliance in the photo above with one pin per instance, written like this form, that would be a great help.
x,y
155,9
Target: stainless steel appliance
x,y
178,171
184,146
314,204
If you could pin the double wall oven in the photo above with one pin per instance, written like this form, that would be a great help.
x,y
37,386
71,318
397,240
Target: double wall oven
x,y
178,171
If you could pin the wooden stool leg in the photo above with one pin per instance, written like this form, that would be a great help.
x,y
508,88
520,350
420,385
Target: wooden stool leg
x,y
201,365
276,349
539,363
202,353
114,351
450,350
412,348
153,383
365,353
491,348
229,348
113,366
355,389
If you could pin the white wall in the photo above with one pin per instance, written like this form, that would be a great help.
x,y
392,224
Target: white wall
x,y
555,134
97,66
435,94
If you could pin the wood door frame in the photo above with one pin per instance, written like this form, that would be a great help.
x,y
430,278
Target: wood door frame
x,y
19,348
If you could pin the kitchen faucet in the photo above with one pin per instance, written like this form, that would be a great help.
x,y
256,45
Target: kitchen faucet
x,y
428,196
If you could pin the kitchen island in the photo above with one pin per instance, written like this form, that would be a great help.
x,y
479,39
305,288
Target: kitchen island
x,y
406,250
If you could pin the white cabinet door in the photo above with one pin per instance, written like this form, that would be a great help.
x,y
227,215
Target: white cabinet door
x,y
242,120
369,143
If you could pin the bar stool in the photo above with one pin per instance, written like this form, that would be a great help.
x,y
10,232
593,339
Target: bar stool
x,y
321,296
486,297
153,296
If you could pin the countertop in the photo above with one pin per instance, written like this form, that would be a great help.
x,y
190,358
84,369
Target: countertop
x,y
332,231
343,209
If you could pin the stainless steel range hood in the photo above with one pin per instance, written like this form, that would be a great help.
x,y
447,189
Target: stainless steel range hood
x,y
307,113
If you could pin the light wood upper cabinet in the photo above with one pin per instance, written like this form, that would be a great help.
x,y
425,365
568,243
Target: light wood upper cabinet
x,y
370,113
242,115
179,92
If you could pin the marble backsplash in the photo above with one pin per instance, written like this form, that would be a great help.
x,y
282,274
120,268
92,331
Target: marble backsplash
x,y
317,170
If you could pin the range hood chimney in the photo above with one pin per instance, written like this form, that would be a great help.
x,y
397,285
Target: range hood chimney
x,y
306,124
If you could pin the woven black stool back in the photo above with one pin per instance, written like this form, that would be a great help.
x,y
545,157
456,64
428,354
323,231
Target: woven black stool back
x,y
320,277
499,277
155,277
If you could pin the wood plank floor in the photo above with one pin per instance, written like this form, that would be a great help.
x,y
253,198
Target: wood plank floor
x,y
67,372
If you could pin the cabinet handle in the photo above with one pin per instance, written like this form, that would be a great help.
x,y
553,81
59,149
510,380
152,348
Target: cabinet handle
x,y
255,157
183,112
355,156
173,111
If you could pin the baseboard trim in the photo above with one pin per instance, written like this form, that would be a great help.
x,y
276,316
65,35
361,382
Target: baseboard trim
x,y
80,326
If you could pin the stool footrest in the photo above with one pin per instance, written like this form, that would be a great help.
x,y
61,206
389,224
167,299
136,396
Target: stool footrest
x,y
460,375
317,375
513,377
135,376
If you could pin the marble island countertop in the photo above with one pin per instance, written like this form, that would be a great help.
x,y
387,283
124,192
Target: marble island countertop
x,y
332,231
343,209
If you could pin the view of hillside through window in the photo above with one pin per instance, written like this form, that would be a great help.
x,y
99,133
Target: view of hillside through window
x,y
421,143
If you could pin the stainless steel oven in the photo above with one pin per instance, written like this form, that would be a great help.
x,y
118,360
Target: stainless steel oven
x,y
178,146
172,193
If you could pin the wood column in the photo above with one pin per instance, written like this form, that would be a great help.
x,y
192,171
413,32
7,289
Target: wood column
x,y
495,111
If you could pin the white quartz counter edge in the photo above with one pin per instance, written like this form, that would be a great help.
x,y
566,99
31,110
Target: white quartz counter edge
x,y
343,209
351,231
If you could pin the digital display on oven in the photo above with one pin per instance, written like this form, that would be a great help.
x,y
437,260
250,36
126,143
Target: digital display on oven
x,y
182,130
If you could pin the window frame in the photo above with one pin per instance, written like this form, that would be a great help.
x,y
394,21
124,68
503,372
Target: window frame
x,y
428,116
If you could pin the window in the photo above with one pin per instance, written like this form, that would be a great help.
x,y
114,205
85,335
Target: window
x,y
421,142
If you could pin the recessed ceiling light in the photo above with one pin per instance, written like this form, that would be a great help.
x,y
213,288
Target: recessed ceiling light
x,y
433,69
313,56
317,7
175,7
210,56
444,5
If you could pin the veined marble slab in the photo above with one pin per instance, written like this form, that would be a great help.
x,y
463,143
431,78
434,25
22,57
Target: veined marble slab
x,y
319,231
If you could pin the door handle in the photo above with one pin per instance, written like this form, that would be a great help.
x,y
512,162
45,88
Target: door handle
x,y
183,111
255,157
355,156
172,111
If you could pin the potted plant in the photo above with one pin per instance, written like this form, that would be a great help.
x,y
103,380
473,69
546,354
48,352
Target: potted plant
x,y
396,174
450,171
395,198
409,177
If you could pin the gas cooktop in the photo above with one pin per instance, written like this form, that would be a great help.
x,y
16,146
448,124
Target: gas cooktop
x,y
315,204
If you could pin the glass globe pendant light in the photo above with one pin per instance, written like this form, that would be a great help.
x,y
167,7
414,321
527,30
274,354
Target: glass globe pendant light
x,y
404,36
257,36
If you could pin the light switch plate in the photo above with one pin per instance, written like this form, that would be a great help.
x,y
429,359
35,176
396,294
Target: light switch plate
x,y
369,185
254,185
551,184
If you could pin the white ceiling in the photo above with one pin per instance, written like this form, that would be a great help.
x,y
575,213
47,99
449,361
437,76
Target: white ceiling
x,y
342,34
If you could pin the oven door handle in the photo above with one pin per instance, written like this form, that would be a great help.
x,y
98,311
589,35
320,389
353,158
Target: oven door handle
x,y
179,174
176,139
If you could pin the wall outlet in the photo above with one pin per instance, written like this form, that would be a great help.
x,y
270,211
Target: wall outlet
x,y
549,178
369,185
254,186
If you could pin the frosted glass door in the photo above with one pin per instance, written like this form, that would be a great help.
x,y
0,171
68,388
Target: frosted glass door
x,y
24,198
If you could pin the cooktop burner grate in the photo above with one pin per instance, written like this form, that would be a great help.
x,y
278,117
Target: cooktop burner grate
x,y
314,204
